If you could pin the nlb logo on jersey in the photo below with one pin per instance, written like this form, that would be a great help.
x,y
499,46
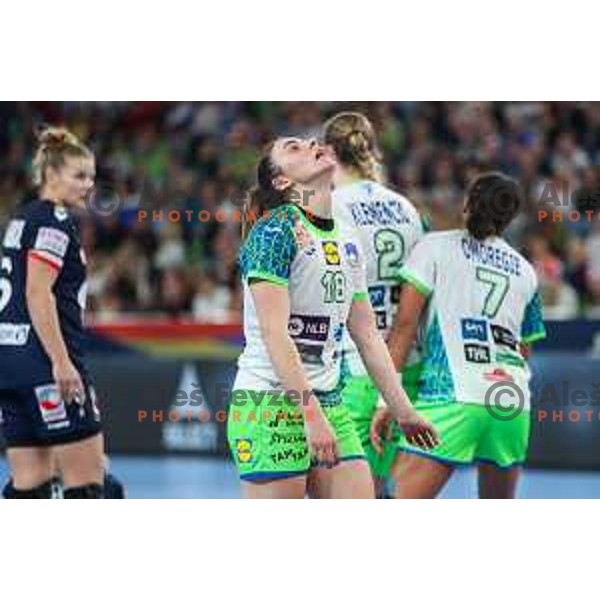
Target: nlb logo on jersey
x,y
332,254
309,327
51,404
474,329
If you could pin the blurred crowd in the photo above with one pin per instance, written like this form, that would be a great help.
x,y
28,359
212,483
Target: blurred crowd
x,y
192,156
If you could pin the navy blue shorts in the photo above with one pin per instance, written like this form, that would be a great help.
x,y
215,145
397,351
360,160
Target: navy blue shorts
x,y
38,417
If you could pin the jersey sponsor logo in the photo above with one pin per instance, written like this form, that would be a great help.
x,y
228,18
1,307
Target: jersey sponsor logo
x,y
352,254
498,374
52,240
381,319
304,240
308,327
504,337
13,235
377,295
476,353
474,329
14,335
310,354
332,254
51,405
243,449
511,358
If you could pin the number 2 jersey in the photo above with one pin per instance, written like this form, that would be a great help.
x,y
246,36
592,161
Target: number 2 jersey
x,y
48,233
387,226
483,303
323,271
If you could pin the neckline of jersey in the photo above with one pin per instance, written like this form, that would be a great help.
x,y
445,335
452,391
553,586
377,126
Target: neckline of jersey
x,y
328,227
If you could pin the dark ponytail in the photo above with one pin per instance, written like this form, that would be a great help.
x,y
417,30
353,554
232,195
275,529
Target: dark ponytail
x,y
493,201
264,196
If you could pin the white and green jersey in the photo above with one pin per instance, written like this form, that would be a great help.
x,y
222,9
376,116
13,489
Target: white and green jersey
x,y
323,271
387,226
483,303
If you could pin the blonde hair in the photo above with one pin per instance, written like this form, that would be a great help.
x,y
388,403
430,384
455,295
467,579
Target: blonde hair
x,y
55,144
353,140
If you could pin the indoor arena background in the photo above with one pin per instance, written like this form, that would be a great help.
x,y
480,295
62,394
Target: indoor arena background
x,y
164,293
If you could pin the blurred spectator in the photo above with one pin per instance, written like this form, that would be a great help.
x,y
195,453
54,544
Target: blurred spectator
x,y
192,156
559,298
212,301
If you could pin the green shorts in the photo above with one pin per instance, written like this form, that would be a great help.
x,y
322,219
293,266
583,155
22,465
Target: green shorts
x,y
268,442
360,396
469,433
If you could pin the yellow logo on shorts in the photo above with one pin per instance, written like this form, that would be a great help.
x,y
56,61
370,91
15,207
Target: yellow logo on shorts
x,y
332,255
244,450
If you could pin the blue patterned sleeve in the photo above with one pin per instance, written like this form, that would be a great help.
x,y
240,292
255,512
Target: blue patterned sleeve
x,y
268,252
532,328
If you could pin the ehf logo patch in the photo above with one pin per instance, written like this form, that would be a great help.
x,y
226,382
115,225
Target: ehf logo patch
x,y
50,404
332,254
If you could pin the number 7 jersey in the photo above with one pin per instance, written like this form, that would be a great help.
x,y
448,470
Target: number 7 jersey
x,y
46,232
482,304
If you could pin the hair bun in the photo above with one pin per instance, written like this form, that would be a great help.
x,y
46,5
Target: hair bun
x,y
358,141
56,137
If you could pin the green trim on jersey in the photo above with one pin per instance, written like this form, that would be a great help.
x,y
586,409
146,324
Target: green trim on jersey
x,y
264,276
409,276
358,296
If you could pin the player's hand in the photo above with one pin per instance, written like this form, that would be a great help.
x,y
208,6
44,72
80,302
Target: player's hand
x,y
381,428
322,444
68,380
418,430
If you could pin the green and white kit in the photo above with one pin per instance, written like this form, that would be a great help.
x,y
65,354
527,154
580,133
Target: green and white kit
x,y
387,226
324,273
482,305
